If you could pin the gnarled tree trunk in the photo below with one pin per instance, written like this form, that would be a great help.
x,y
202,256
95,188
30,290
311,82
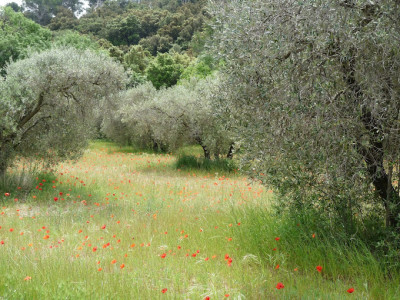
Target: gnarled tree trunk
x,y
207,154
230,152
374,154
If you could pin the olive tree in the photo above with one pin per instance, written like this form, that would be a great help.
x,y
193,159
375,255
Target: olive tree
x,y
126,119
168,118
312,88
47,101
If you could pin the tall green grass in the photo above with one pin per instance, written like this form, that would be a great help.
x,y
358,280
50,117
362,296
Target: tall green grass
x,y
144,200
299,247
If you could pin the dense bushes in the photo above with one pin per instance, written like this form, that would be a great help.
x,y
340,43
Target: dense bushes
x,y
196,163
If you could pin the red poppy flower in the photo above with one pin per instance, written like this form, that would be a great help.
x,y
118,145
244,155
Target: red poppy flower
x,y
280,285
164,290
163,255
350,290
319,268
103,227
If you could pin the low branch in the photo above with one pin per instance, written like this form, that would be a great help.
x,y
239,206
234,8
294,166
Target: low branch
x,y
25,119
30,128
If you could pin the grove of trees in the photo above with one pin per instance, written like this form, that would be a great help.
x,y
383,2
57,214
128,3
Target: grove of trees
x,y
308,90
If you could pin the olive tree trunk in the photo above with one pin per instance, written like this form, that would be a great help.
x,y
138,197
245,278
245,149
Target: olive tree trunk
x,y
207,154
230,152
374,155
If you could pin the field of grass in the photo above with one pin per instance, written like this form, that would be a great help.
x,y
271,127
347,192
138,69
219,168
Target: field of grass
x,y
120,224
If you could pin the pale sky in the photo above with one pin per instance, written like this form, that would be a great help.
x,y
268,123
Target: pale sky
x,y
19,2
4,2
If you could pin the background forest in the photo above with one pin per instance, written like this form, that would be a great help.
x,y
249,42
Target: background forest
x,y
299,99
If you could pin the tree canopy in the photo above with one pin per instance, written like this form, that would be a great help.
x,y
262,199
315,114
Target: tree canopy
x,y
47,102
19,36
312,89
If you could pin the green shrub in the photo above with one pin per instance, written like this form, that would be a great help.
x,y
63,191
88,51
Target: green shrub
x,y
191,162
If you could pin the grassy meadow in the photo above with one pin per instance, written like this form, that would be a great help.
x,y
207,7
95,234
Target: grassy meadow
x,y
120,224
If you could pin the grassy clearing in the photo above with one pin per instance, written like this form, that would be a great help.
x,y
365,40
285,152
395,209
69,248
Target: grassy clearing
x,y
125,225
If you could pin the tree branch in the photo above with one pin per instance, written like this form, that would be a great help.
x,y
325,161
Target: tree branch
x,y
29,128
25,119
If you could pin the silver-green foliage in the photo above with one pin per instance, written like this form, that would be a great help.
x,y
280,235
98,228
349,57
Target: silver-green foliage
x,y
312,88
123,120
47,102
168,118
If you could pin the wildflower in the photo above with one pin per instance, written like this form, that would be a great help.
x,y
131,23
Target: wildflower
x,y
350,290
6,194
319,268
46,237
103,227
27,278
277,238
229,261
113,261
280,285
277,267
163,255
122,266
164,290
